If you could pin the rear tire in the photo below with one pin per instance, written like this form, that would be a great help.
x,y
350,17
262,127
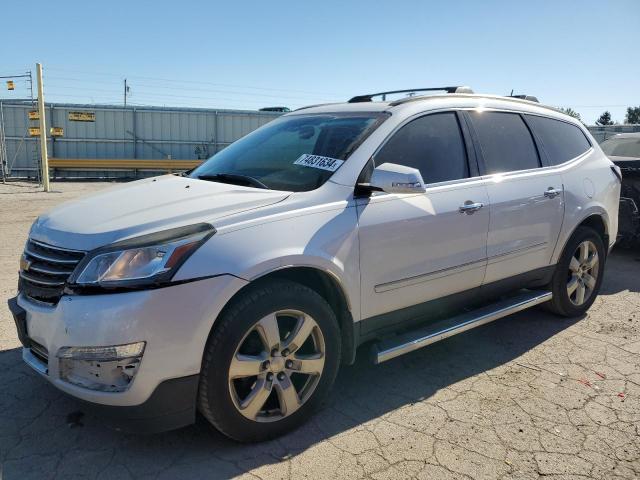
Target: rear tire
x,y
270,361
578,274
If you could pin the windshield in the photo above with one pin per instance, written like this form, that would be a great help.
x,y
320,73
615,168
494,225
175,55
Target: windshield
x,y
296,153
622,147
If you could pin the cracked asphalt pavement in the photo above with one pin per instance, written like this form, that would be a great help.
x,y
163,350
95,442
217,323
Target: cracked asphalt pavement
x,y
529,396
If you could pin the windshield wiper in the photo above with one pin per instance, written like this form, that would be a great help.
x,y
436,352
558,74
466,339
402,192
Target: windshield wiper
x,y
234,178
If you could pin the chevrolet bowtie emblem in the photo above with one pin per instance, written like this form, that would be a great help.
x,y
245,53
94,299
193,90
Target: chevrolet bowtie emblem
x,y
24,263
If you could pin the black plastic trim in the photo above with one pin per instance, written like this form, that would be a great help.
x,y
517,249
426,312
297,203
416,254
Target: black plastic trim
x,y
368,97
543,157
616,172
435,310
107,289
472,159
172,405
19,315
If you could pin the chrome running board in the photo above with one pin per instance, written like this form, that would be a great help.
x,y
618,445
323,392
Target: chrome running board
x,y
408,342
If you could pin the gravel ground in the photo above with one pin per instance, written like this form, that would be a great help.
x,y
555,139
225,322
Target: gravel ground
x,y
528,396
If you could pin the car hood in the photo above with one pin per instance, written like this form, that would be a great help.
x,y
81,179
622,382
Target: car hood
x,y
145,206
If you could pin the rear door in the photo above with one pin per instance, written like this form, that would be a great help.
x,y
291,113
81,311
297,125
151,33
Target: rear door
x,y
527,200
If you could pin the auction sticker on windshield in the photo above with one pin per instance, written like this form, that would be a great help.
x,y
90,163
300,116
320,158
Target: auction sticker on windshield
x,y
318,161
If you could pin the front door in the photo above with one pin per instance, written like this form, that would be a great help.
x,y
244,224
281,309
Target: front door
x,y
419,247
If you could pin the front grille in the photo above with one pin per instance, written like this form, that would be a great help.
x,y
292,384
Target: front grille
x,y
46,269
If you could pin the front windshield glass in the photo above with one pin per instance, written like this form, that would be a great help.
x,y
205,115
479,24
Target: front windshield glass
x,y
293,153
621,147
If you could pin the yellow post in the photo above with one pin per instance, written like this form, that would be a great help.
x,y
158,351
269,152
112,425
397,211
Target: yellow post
x,y
43,130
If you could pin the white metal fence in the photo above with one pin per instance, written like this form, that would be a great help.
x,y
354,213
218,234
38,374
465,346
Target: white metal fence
x,y
603,133
115,132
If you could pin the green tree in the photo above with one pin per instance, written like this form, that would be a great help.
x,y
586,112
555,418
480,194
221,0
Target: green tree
x,y
604,119
633,115
571,112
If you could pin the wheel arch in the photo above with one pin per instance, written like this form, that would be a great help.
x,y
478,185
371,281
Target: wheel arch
x,y
329,287
596,220
598,223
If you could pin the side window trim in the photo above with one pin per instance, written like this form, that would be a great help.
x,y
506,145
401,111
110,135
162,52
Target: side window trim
x,y
543,158
477,151
472,159
544,155
482,168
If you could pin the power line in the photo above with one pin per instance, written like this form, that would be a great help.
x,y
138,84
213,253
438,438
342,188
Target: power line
x,y
181,80
151,87
51,92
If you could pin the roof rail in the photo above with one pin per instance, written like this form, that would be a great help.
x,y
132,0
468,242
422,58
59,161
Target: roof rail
x,y
369,97
531,98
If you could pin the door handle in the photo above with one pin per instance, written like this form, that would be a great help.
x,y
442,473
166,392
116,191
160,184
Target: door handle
x,y
552,192
470,207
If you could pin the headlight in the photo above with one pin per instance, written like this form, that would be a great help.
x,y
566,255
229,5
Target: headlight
x,y
143,260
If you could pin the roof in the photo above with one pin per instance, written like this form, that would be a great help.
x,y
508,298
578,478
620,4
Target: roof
x,y
435,101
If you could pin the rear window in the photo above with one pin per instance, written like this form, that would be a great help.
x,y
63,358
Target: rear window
x,y
622,147
505,141
560,140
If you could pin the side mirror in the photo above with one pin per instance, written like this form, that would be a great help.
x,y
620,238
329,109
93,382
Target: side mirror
x,y
393,178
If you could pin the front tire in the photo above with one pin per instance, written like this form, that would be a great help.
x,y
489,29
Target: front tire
x,y
578,275
270,361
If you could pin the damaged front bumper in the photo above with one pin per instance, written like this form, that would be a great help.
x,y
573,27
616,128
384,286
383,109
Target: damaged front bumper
x,y
133,356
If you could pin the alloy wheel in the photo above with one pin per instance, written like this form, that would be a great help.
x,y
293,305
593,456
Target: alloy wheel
x,y
277,366
583,273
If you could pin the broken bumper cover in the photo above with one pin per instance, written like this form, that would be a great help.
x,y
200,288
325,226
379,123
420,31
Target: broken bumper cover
x,y
174,322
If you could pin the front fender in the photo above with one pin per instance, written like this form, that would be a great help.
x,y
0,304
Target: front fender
x,y
326,240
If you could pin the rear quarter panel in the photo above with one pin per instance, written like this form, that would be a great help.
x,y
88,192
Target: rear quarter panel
x,y
591,188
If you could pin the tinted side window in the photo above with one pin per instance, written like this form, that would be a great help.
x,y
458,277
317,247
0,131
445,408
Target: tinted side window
x,y
506,142
560,140
433,144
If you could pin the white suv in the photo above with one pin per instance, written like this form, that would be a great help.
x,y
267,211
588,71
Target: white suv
x,y
239,288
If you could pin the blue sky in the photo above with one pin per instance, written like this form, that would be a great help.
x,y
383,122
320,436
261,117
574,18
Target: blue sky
x,y
579,54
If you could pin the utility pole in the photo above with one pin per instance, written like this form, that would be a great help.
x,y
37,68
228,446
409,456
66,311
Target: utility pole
x,y
126,90
3,146
43,130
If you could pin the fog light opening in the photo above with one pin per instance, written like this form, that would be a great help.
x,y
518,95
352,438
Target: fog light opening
x,y
106,369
